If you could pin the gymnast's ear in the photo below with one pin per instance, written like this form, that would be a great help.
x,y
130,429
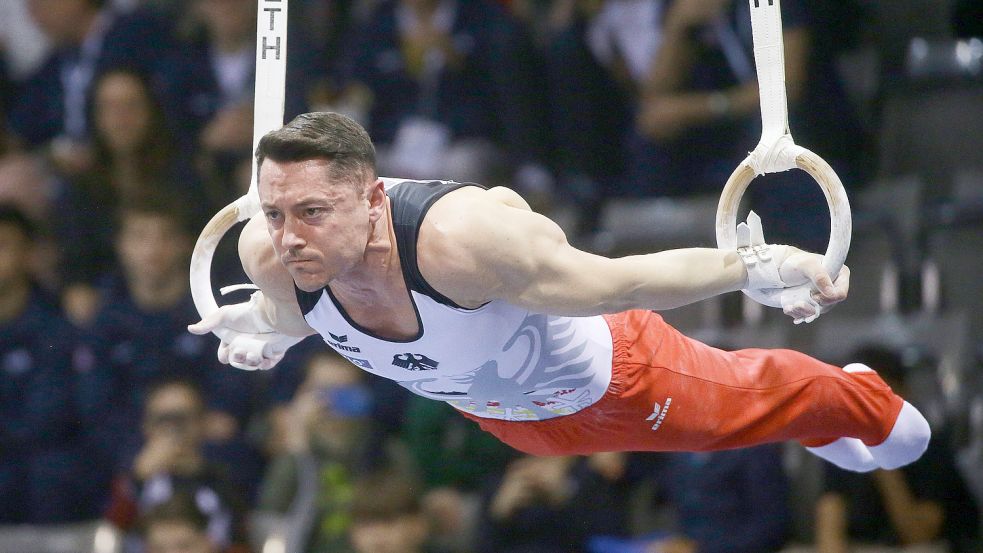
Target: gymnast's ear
x,y
375,194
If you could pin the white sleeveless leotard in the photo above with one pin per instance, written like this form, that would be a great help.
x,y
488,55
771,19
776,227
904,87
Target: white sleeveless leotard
x,y
497,361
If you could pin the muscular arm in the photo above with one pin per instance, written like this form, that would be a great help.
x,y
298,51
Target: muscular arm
x,y
265,270
479,246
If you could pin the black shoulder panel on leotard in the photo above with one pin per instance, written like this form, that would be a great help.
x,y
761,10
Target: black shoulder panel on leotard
x,y
410,201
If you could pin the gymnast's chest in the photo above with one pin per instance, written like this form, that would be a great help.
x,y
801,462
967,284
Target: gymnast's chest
x,y
448,341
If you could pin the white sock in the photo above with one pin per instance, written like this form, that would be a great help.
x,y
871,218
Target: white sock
x,y
906,442
848,454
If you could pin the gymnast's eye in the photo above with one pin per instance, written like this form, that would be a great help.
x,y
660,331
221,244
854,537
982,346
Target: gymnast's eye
x,y
272,216
313,211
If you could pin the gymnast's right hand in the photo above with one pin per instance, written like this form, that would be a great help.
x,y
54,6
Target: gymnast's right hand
x,y
249,340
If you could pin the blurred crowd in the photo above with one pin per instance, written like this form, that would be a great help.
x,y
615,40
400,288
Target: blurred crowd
x,y
125,124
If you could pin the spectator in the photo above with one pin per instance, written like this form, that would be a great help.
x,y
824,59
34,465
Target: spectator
x,y
144,329
172,461
134,154
555,504
328,425
49,472
699,112
733,501
456,459
919,504
452,88
700,104
88,37
27,185
598,56
387,516
222,59
177,526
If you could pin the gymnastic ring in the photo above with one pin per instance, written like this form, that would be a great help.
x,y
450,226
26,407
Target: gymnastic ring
x,y
841,223
201,257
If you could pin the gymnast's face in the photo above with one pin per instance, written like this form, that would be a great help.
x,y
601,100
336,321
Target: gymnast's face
x,y
320,228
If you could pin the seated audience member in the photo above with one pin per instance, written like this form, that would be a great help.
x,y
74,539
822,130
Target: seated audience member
x,y
598,56
387,516
88,37
555,504
700,115
926,502
452,92
733,501
172,461
49,471
221,42
25,183
143,324
328,425
177,525
133,155
699,107
456,459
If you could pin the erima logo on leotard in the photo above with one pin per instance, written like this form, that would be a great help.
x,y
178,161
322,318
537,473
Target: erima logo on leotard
x,y
414,362
337,342
659,413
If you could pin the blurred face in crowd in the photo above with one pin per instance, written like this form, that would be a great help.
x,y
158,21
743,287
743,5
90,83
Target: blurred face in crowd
x,y
404,534
177,537
62,21
152,248
421,5
175,413
343,399
14,248
228,21
123,112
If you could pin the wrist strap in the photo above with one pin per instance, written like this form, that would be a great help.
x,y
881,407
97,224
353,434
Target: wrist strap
x,y
759,258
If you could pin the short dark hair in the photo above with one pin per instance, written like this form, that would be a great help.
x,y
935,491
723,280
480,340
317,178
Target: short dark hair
x,y
15,216
167,382
385,494
322,135
159,203
181,508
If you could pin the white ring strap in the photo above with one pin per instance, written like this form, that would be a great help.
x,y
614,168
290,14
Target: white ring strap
x,y
776,151
769,59
268,101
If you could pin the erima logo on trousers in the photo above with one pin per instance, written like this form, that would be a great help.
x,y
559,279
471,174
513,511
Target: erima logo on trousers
x,y
414,362
659,413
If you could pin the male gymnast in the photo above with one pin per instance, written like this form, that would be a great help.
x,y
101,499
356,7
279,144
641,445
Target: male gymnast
x,y
463,294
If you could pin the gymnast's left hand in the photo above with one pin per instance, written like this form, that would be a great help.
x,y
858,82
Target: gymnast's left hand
x,y
801,269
